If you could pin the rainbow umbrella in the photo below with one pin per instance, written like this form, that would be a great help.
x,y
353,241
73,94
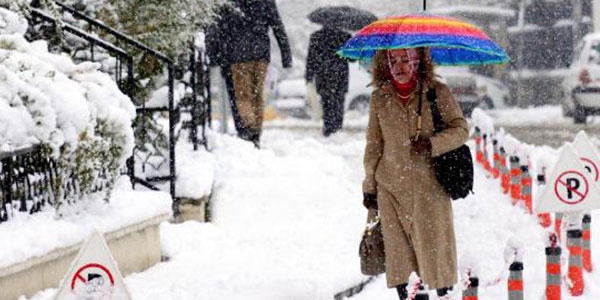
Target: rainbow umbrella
x,y
452,41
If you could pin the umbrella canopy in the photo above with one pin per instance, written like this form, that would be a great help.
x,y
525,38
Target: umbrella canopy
x,y
452,41
342,17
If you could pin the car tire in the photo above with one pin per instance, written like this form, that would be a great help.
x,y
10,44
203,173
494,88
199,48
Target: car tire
x,y
486,103
579,115
360,103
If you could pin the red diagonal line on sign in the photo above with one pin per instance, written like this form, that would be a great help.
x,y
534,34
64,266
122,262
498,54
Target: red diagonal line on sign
x,y
570,188
81,278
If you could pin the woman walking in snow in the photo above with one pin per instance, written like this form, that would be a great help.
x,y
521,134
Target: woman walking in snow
x,y
414,209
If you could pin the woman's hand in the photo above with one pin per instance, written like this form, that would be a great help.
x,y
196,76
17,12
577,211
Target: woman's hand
x,y
421,146
370,201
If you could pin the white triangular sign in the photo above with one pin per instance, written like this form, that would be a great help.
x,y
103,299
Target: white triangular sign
x,y
93,274
588,155
569,188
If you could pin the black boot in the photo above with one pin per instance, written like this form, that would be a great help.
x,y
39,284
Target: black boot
x,y
443,291
402,292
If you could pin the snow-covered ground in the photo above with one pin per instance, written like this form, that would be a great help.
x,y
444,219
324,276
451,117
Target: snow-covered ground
x,y
287,220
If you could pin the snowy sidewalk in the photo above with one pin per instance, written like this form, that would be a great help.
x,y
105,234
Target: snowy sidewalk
x,y
287,220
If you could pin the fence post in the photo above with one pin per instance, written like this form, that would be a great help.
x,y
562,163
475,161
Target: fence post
x,y
586,242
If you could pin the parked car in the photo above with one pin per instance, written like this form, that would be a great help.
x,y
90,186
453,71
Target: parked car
x,y
291,94
463,85
493,93
582,83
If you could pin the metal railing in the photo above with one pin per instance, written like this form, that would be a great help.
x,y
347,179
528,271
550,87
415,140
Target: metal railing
x,y
121,43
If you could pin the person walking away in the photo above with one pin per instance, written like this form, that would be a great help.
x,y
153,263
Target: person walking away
x,y
250,56
218,45
330,73
415,211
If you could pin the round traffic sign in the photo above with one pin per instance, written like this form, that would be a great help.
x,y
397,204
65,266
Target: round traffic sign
x,y
571,187
591,167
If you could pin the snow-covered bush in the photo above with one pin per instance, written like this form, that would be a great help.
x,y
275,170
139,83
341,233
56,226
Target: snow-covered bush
x,y
76,113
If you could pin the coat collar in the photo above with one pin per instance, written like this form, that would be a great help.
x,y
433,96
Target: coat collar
x,y
389,91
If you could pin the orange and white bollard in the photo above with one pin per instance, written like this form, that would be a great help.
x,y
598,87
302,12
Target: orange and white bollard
x,y
496,159
526,189
504,172
553,272
515,281
515,180
471,292
558,224
478,140
575,273
544,218
586,238
486,159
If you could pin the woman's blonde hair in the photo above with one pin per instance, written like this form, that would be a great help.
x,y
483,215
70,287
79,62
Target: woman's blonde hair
x,y
381,69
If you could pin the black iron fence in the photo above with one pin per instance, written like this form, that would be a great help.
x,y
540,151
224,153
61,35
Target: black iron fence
x,y
195,105
31,181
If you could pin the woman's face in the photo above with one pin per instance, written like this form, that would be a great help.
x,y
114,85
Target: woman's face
x,y
403,63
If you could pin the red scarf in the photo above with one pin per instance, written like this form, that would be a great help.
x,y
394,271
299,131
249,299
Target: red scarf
x,y
405,89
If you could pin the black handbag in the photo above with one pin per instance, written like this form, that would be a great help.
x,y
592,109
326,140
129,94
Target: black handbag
x,y
453,169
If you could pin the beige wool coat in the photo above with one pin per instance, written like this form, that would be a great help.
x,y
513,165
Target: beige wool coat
x,y
415,211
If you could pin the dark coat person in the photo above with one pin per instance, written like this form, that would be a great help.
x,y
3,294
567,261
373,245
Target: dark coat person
x,y
218,44
242,39
249,55
330,73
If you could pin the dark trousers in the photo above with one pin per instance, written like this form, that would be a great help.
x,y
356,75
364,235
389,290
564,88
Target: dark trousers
x,y
333,112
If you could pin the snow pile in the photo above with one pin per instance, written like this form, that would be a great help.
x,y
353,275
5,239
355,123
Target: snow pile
x,y
73,110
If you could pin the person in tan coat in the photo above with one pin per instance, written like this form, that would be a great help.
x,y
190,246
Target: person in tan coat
x,y
414,209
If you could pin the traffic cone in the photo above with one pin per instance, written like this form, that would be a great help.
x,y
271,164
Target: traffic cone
x,y
526,189
586,242
553,273
478,140
544,218
504,172
575,273
515,180
471,292
496,156
515,281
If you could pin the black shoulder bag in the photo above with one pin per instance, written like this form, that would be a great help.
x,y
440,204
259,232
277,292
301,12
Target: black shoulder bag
x,y
453,169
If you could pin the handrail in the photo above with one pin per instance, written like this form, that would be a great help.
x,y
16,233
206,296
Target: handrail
x,y
82,34
114,32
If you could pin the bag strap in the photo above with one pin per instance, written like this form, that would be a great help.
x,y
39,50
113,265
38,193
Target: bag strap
x,y
438,123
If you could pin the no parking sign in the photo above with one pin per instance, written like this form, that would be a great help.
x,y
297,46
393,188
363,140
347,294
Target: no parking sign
x,y
93,274
572,186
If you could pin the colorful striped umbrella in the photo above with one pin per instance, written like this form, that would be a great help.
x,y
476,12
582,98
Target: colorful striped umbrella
x,y
452,41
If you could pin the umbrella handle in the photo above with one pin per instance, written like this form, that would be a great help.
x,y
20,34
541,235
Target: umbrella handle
x,y
424,5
